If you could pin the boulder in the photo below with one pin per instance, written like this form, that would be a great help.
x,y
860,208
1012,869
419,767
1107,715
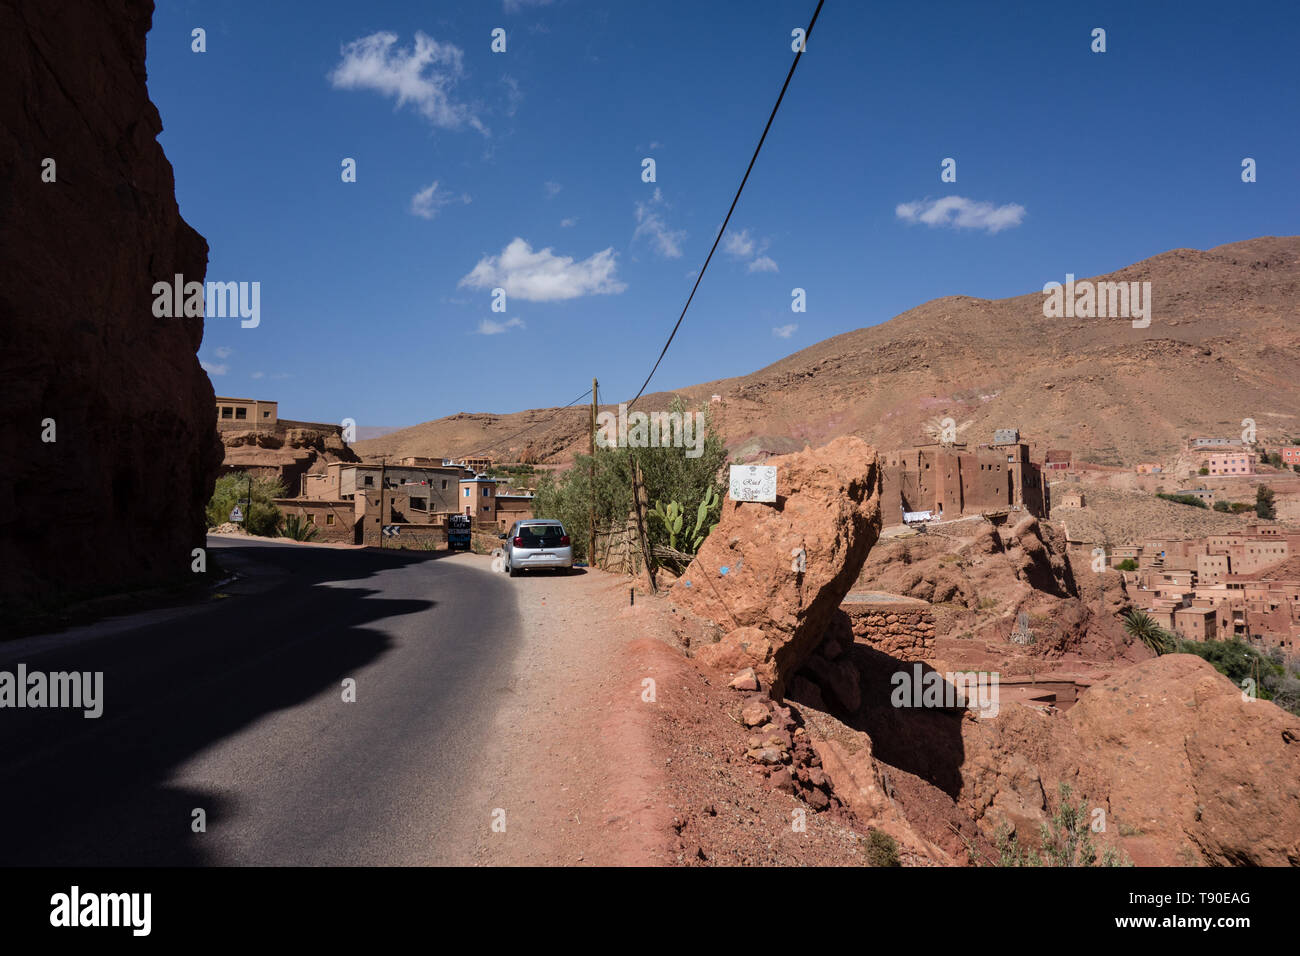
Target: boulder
x,y
744,580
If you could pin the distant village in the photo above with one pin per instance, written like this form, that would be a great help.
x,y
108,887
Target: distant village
x,y
1243,584
352,502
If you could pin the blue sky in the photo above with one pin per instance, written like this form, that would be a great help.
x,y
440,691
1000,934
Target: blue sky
x,y
375,294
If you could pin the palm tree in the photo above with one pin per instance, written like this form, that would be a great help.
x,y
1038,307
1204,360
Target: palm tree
x,y
1142,626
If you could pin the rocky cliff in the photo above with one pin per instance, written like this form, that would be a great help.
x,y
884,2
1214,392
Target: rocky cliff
x,y
108,425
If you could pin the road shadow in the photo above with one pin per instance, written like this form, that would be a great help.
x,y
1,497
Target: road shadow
x,y
95,792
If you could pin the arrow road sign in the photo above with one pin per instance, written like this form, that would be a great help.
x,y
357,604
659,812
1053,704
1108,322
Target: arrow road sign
x,y
236,514
391,531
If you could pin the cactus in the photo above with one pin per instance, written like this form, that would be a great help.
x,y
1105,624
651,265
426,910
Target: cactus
x,y
672,518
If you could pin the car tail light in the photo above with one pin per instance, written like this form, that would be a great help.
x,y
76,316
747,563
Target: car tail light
x,y
564,541
519,542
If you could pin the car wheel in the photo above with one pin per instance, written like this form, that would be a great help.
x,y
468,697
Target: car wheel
x,y
514,571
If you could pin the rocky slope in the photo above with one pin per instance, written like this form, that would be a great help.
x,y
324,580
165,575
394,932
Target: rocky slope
x,y
117,498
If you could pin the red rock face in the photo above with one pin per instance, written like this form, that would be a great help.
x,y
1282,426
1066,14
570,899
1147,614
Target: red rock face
x,y
117,500
743,578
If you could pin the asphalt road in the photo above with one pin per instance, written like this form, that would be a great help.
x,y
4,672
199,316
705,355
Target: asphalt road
x,y
235,707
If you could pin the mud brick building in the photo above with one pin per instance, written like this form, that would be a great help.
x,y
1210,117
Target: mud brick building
x,y
953,481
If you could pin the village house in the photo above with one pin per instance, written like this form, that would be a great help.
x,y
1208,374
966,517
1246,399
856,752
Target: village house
x,y
953,481
245,413
1231,463
1057,460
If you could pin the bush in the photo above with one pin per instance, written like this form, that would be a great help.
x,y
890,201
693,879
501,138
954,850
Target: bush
x,y
668,475
1065,840
1191,500
1264,507
882,849
1222,506
1128,564
1237,661
299,530
260,516
1203,471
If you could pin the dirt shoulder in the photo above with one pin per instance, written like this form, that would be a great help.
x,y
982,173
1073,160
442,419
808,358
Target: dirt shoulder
x,y
613,748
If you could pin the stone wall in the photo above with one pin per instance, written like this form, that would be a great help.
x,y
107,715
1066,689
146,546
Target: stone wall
x,y
903,631
117,499
420,537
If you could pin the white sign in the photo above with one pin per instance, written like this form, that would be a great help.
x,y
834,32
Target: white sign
x,y
910,516
753,483
236,514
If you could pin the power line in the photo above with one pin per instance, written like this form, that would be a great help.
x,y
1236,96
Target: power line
x,y
736,199
528,428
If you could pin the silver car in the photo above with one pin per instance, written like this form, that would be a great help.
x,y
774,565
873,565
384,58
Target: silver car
x,y
537,543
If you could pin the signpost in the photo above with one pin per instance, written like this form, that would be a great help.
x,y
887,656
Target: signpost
x,y
391,531
753,483
236,515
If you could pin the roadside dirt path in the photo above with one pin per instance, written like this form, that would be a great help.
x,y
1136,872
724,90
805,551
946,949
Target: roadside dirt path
x,y
590,770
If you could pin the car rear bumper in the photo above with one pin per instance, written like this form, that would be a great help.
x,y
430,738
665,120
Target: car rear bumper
x,y
553,558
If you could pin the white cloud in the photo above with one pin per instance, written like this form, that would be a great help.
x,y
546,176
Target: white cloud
x,y
422,76
491,327
739,244
428,202
258,375
651,224
223,352
763,264
543,276
513,96
957,212
551,189
656,145
213,368
566,223
785,331
517,6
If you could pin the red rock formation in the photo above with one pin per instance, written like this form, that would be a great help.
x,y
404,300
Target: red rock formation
x,y
118,498
829,505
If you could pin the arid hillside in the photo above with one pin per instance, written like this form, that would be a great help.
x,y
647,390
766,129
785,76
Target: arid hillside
x,y
1223,344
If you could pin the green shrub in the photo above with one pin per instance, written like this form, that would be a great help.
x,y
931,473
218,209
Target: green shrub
x,y
1264,507
1128,564
1191,500
1065,840
260,516
667,473
882,849
299,530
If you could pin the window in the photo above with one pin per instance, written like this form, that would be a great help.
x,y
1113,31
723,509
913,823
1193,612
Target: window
x,y
466,492
266,414
311,519
370,481
444,484
241,413
487,492
329,519
227,411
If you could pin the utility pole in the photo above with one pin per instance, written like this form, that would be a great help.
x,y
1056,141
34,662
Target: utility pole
x,y
639,499
383,471
591,498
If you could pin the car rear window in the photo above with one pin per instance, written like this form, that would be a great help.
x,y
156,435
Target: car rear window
x,y
541,534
